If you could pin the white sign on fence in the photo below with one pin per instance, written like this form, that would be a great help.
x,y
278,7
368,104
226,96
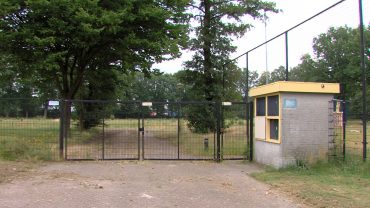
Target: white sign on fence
x,y
147,104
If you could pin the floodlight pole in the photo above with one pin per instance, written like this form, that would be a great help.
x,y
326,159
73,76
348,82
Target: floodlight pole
x,y
286,57
246,93
266,53
247,107
363,69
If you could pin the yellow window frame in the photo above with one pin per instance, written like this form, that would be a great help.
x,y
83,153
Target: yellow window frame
x,y
268,118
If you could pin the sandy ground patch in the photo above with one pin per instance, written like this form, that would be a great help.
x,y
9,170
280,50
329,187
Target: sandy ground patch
x,y
141,184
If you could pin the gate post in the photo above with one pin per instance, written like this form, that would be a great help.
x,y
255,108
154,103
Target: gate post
x,y
61,129
251,115
218,130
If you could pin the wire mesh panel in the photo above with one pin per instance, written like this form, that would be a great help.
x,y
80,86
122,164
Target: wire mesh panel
x,y
28,129
84,134
121,134
102,130
154,130
197,130
160,136
354,137
234,131
336,129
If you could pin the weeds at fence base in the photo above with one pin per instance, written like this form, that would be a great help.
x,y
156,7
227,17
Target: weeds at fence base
x,y
22,149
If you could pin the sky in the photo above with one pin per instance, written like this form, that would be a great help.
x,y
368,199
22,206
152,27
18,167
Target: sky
x,y
299,39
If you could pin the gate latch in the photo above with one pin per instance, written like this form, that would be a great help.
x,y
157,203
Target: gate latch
x,y
141,129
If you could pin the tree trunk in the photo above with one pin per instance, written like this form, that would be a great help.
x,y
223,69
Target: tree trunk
x,y
46,106
82,117
207,51
67,106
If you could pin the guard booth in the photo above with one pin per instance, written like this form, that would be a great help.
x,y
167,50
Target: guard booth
x,y
291,122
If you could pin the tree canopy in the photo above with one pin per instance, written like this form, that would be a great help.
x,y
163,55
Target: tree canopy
x,y
217,23
64,40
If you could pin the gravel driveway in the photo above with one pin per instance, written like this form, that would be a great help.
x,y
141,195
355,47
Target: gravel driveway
x,y
141,184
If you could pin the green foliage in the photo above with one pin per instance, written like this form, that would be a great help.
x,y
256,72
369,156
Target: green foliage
x,y
91,114
206,74
201,118
69,44
337,59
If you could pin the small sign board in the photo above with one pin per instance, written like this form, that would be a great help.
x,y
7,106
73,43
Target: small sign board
x,y
226,103
290,103
148,104
53,103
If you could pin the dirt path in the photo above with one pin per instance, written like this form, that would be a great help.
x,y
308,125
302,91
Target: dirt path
x,y
123,144
141,184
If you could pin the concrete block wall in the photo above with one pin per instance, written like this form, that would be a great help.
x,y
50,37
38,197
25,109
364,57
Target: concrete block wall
x,y
305,128
268,153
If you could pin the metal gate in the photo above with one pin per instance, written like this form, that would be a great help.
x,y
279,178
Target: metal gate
x,y
102,130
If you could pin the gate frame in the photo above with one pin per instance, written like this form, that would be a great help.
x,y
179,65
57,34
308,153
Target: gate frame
x,y
218,134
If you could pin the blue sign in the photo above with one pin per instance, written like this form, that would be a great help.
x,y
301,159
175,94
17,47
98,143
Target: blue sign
x,y
290,103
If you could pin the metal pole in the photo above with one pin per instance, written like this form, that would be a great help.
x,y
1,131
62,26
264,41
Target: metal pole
x,y
246,94
218,154
103,140
223,82
344,117
286,57
251,131
138,133
178,130
364,101
61,130
266,53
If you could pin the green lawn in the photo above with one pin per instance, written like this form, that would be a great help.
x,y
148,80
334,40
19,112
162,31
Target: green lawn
x,y
334,184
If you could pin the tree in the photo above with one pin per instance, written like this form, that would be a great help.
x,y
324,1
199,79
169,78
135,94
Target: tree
x,y
217,22
91,113
306,71
278,74
62,41
264,78
252,81
336,59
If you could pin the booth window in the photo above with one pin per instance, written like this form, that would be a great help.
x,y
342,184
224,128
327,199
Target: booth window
x,y
273,105
274,129
268,113
261,106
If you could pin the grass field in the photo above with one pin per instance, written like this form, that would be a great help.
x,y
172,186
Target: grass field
x,y
35,138
334,184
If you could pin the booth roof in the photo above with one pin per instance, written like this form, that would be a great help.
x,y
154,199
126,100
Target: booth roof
x,y
299,87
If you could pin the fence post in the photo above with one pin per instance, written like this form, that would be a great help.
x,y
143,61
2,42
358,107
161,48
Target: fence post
x,y
251,131
103,139
61,129
344,121
363,69
178,130
218,130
